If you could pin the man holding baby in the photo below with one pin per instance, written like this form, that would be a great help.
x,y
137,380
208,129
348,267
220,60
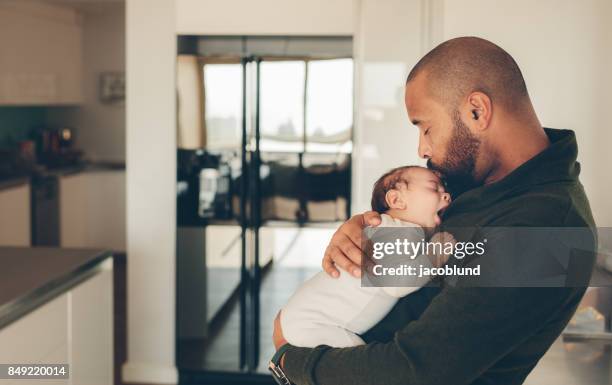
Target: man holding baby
x,y
478,130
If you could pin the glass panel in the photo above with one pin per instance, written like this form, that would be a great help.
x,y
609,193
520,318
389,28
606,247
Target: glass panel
x,y
251,103
223,105
209,241
282,106
288,256
329,105
208,283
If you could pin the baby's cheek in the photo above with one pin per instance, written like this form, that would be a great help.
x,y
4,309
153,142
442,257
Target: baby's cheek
x,y
434,199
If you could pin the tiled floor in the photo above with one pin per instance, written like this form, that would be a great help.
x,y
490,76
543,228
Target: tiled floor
x,y
275,292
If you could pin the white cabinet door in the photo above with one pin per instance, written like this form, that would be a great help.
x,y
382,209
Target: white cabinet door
x,y
73,210
37,334
43,66
75,328
92,330
15,216
58,356
106,210
92,210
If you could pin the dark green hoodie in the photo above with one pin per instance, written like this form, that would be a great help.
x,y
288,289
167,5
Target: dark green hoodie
x,y
471,335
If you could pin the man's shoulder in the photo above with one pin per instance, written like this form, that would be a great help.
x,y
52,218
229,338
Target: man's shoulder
x,y
546,206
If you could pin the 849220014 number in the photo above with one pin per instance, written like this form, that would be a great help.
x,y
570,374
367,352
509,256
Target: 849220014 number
x,y
33,371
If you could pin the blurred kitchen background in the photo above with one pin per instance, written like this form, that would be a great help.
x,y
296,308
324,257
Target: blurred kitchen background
x,y
215,146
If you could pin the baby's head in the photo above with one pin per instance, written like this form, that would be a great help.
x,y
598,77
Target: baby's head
x,y
411,193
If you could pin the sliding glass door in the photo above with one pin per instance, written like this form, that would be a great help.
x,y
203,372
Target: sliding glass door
x,y
212,227
264,145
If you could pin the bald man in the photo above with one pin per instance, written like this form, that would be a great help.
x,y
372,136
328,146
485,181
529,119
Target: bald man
x,y
478,128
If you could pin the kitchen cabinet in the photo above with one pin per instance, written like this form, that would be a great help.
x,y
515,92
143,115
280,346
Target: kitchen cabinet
x,y
92,209
41,61
92,330
15,215
38,334
74,328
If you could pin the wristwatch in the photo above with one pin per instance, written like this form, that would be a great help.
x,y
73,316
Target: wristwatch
x,y
275,366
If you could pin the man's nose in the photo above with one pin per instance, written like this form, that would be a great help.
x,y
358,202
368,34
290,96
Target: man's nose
x,y
424,150
446,197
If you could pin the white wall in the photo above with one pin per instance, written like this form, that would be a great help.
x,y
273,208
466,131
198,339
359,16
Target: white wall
x,y
388,42
604,136
600,193
100,127
561,47
151,194
264,17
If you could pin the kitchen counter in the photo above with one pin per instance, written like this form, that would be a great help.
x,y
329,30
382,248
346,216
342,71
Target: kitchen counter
x,y
84,167
18,180
32,276
14,182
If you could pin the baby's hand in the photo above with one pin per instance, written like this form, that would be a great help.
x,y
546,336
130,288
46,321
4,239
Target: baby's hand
x,y
443,238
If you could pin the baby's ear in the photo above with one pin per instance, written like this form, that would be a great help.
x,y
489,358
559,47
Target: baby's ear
x,y
394,199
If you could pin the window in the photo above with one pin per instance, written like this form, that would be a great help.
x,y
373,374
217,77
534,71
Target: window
x,y
305,105
329,105
223,105
282,106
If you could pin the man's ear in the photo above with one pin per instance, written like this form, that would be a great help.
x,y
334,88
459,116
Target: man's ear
x,y
478,110
394,200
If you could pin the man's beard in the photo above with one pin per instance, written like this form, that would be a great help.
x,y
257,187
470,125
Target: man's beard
x,y
458,168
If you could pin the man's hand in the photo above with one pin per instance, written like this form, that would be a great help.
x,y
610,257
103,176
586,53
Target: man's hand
x,y
344,249
277,336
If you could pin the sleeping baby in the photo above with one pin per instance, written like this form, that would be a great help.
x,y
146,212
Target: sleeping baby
x,y
335,311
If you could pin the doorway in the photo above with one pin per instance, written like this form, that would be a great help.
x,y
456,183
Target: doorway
x,y
264,157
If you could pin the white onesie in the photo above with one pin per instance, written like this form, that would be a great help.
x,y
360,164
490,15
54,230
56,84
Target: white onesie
x,y
333,311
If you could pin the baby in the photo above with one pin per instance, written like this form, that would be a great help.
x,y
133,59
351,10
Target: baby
x,y
334,311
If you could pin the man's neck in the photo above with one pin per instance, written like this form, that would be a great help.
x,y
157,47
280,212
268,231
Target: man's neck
x,y
518,148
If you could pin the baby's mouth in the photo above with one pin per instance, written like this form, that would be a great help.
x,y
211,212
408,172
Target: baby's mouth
x,y
441,211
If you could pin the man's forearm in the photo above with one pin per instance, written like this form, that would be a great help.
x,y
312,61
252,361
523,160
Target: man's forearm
x,y
324,365
469,341
301,362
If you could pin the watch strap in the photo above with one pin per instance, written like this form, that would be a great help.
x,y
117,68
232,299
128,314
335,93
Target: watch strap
x,y
279,354
275,367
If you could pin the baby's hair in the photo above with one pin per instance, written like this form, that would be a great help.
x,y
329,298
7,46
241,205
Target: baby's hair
x,y
386,182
